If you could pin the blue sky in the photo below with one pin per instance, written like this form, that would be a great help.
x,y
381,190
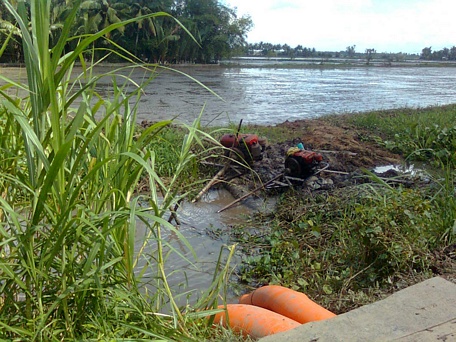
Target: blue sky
x,y
332,25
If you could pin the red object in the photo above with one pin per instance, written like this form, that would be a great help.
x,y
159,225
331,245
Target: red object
x,y
308,156
230,140
302,163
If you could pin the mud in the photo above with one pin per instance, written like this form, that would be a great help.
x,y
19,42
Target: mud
x,y
343,146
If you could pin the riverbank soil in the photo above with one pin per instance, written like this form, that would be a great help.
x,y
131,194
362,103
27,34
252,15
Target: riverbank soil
x,y
350,155
343,147
346,152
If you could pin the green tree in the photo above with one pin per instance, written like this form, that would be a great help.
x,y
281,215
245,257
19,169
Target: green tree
x,y
137,36
426,53
452,56
351,50
369,55
219,31
216,27
10,36
10,41
59,11
99,14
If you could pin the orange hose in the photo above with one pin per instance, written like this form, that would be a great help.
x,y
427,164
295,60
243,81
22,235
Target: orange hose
x,y
253,321
287,302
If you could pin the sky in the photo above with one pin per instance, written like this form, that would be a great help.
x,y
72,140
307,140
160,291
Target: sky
x,y
332,25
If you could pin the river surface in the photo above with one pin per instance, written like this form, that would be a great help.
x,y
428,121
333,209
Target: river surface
x,y
269,96
272,95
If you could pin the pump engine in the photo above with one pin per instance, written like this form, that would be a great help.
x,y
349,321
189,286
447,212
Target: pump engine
x,y
247,146
302,163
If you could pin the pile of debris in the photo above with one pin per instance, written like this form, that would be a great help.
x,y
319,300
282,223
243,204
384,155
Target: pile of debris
x,y
250,165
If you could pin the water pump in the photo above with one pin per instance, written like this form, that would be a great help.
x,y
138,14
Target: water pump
x,y
247,146
302,163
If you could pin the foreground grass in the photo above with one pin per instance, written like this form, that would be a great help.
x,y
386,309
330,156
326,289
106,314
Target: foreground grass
x,y
351,246
70,163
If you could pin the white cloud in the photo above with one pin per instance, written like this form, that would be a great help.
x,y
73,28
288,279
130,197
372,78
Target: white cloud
x,y
386,25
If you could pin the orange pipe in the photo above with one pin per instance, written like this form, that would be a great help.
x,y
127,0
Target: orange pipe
x,y
287,302
253,321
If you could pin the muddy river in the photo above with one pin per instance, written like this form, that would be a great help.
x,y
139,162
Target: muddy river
x,y
272,95
207,233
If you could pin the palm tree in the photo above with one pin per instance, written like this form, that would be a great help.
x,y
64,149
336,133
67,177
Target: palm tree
x,y
99,14
58,13
96,16
144,29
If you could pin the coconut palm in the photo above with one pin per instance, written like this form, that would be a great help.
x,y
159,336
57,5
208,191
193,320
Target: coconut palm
x,y
142,31
98,15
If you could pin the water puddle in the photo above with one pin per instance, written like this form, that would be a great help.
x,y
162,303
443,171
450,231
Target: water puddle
x,y
207,233
415,171
400,169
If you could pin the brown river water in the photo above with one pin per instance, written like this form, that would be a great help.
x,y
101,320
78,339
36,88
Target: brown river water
x,y
207,233
267,96
262,96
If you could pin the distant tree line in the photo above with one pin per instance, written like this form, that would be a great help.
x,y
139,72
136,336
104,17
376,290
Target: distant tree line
x,y
263,49
280,50
442,55
218,30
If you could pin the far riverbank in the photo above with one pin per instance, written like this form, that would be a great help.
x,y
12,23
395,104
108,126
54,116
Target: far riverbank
x,y
281,62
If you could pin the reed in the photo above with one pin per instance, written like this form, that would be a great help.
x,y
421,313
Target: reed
x,y
70,160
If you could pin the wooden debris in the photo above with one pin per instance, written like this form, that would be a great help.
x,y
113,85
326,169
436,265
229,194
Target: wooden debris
x,y
173,215
250,193
213,181
338,172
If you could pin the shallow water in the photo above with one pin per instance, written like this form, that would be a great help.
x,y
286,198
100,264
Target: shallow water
x,y
207,232
270,96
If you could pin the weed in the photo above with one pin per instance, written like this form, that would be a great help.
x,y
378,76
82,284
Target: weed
x,y
427,134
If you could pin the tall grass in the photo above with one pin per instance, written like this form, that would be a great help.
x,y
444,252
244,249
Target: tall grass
x,y
69,164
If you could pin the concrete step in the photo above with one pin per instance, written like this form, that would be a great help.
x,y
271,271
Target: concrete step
x,y
422,312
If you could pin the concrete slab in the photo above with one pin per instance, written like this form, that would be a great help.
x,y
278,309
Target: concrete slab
x,y
422,312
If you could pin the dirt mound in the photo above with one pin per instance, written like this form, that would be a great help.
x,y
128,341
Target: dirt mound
x,y
343,147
